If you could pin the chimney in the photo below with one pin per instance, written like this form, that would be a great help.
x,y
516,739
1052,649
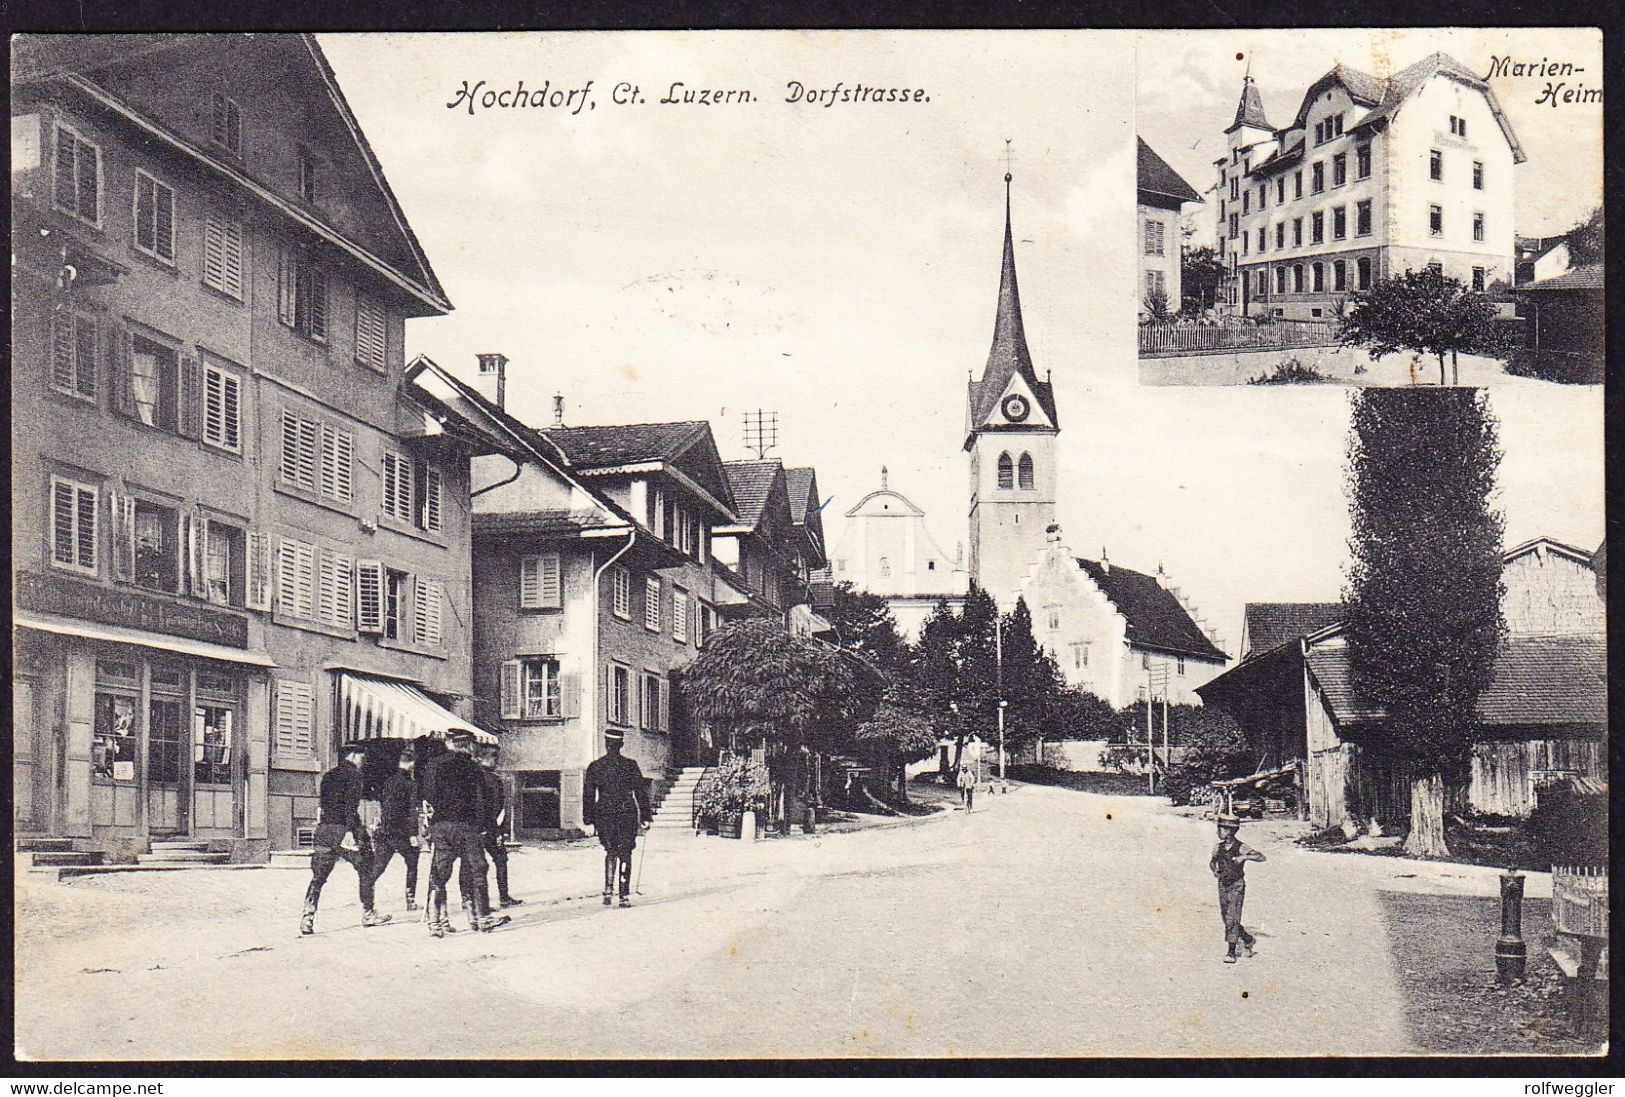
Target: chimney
x,y
558,409
493,379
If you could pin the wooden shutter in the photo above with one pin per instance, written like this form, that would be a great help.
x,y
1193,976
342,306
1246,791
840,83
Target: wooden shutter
x,y
337,589
552,581
123,507
430,594
287,287
665,704
337,453
64,352
369,596
512,689
295,711
327,587
120,351
164,222
189,415
66,170
569,696
530,582
185,553
257,594
316,306
431,498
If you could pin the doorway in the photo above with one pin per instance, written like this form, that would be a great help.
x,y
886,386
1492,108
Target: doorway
x,y
166,800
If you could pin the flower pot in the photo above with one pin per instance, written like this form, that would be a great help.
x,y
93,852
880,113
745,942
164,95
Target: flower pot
x,y
728,828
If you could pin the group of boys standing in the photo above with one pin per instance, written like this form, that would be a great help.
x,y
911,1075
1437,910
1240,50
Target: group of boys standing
x,y
465,804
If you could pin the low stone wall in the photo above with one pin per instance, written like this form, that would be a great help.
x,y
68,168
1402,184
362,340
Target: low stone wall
x,y
1237,367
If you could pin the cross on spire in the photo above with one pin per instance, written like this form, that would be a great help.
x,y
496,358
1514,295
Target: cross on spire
x,y
1009,158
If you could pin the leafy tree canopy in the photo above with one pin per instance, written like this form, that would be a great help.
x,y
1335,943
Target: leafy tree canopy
x,y
1424,312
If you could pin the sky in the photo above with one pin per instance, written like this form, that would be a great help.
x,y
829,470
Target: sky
x,y
1189,83
840,265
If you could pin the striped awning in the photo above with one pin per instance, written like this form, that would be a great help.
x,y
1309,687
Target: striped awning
x,y
375,708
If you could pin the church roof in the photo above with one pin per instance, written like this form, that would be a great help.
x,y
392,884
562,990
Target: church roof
x,y
1156,177
1271,624
1008,355
1250,108
1155,618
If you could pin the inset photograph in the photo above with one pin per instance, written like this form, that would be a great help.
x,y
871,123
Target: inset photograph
x,y
1370,207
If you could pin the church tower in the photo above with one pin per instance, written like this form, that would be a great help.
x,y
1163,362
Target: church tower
x,y
1010,432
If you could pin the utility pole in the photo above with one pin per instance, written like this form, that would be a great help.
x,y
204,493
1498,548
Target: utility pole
x,y
1150,749
998,680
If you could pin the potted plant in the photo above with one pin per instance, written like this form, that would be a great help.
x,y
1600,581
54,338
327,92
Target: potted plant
x,y
727,791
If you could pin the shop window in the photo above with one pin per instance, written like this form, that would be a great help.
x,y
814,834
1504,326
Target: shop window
x,y
539,800
73,355
113,745
73,525
156,556
211,744
154,383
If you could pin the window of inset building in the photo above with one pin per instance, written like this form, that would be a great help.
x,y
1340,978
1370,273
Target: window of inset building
x,y
1478,227
1363,266
1362,218
1478,279
1435,164
1362,162
1435,221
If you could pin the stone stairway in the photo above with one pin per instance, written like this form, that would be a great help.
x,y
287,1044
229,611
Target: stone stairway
x,y
179,852
54,853
673,799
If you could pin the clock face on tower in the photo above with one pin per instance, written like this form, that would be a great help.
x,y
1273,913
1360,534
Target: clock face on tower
x,y
1015,407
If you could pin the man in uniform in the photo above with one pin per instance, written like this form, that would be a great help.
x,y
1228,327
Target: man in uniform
x,y
1228,865
496,802
398,826
339,834
454,798
615,802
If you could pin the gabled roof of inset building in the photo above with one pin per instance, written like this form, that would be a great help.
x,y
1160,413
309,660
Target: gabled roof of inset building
x,y
1155,617
1155,176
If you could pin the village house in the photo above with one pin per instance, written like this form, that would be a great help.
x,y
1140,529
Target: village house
x,y
1543,717
762,556
236,526
1161,196
1373,176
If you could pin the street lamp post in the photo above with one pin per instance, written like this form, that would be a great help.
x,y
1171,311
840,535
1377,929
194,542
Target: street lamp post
x,y
1002,704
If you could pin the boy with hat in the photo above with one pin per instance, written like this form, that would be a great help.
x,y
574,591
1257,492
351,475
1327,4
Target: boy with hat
x,y
615,802
454,798
340,835
1228,865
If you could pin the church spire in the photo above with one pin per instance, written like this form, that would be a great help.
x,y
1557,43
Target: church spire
x,y
1250,107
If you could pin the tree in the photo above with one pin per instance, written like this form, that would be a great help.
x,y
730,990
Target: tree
x,y
864,624
1213,749
1422,602
1200,273
1156,306
1424,312
899,732
1586,239
954,667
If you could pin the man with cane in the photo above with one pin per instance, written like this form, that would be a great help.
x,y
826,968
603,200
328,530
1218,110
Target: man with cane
x,y
615,803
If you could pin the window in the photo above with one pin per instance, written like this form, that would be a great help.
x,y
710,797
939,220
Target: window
x,y
1244,242
1362,218
294,712
1478,175
620,694
1155,283
1247,200
1362,162
73,525
1235,226
429,514
397,603
1340,223
426,629
302,295
371,339
223,255
1263,193
222,409
1080,656
1458,126
154,218
541,581
397,487
113,748
652,702
1280,190
1297,184
73,355
307,175
1435,221
222,563
1340,169
228,123
1297,278
708,623
1297,232
1024,471
532,689
77,176
296,579
317,457
211,744
1363,266
1262,232
1317,227
157,556
1280,235
1179,665
539,801
154,383
1318,170
1435,164
1007,472
1154,241
1320,277
679,615
651,604
621,593
1339,275
1280,279
1235,189
1478,279
1436,267
1478,227
1263,281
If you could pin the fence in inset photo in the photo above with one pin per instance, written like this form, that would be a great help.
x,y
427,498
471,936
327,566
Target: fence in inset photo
x,y
1166,340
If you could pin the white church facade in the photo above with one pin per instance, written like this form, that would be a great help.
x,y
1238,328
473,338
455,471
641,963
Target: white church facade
x,y
1114,632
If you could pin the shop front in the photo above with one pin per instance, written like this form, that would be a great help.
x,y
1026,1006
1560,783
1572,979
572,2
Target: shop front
x,y
125,736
